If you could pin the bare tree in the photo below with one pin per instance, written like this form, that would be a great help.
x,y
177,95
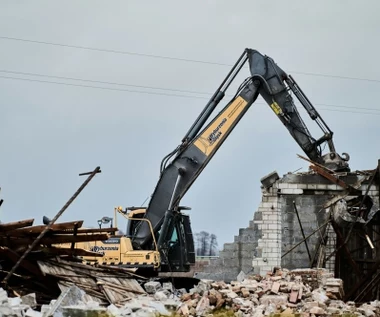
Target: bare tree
x,y
206,244
213,245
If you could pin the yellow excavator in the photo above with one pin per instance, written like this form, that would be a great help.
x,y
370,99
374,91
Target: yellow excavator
x,y
159,237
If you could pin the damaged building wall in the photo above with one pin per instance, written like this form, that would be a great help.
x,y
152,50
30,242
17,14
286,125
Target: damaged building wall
x,y
272,235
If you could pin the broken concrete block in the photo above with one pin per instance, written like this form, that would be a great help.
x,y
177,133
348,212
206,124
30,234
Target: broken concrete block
x,y
317,311
160,296
30,300
113,311
275,299
203,306
32,313
3,296
133,305
319,295
168,286
185,297
270,309
236,288
14,301
293,297
245,292
45,309
259,311
124,311
152,286
203,286
83,311
6,310
333,311
231,295
241,276
334,282
171,304
184,310
158,307
275,287
367,310
69,297
300,293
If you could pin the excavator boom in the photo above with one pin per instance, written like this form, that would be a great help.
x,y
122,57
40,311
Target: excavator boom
x,y
181,167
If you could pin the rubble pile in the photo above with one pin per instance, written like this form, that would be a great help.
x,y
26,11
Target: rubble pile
x,y
278,294
52,265
283,292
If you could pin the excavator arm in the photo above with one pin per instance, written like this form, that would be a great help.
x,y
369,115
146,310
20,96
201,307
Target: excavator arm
x,y
180,168
275,90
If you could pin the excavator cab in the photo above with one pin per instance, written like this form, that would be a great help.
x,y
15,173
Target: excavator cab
x,y
177,252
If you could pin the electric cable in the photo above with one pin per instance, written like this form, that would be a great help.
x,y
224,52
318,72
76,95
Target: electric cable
x,y
172,58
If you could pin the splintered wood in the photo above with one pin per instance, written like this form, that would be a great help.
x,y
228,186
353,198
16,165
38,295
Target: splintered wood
x,y
104,285
54,264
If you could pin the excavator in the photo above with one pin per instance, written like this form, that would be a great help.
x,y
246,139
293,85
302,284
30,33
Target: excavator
x,y
159,237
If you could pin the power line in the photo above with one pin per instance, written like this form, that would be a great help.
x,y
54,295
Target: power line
x,y
155,93
97,87
102,82
173,58
113,51
348,107
151,87
338,77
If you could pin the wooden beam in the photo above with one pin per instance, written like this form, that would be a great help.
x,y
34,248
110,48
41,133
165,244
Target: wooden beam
x,y
26,233
15,225
58,226
55,239
14,257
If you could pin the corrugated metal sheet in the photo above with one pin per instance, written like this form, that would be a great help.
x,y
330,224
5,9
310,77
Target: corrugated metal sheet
x,y
101,284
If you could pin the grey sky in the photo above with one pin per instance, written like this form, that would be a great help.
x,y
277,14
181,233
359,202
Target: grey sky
x,y
50,133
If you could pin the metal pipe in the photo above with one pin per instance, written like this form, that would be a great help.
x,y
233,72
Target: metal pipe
x,y
169,212
303,233
215,99
295,246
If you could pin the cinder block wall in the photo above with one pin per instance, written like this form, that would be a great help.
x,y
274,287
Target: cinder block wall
x,y
275,230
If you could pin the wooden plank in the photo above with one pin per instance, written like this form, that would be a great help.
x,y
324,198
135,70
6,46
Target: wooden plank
x,y
14,225
24,233
55,239
115,287
12,256
58,226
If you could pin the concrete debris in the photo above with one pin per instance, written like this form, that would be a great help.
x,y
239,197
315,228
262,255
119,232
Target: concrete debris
x,y
152,287
30,300
280,294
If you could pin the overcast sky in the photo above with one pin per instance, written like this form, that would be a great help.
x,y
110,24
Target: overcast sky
x,y
52,132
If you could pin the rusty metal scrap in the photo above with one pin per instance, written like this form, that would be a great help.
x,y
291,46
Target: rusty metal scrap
x,y
328,174
323,172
